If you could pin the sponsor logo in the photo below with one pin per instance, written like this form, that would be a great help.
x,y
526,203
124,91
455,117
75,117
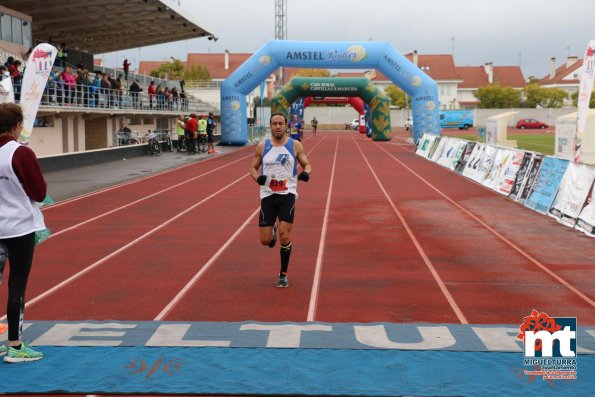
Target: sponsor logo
x,y
282,158
415,81
235,105
549,346
304,56
263,62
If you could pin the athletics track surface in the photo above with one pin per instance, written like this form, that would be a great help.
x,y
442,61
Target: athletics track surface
x,y
381,236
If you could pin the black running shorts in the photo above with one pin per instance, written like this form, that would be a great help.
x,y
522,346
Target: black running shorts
x,y
210,137
275,206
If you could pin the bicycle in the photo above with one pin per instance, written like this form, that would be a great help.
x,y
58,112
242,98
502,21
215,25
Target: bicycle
x,y
168,142
154,145
182,145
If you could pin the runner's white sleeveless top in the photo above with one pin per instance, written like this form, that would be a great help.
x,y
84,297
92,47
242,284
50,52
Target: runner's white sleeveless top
x,y
19,215
280,166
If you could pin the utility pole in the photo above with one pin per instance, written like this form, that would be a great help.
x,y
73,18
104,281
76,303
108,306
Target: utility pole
x,y
280,34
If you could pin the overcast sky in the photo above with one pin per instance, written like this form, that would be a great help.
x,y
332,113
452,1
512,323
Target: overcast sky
x,y
505,32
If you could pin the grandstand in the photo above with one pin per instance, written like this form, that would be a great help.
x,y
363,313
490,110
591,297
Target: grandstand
x,y
84,118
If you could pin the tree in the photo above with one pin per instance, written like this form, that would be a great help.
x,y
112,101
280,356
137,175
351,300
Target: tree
x,y
397,96
538,96
574,97
170,70
494,96
266,102
175,70
197,72
313,73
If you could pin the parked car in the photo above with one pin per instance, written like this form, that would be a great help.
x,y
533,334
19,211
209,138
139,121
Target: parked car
x,y
408,123
461,119
530,123
354,125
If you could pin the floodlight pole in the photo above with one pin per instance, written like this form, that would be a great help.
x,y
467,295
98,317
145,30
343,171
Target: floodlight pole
x,y
280,34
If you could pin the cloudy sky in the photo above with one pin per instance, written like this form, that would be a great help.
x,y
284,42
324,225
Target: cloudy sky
x,y
505,32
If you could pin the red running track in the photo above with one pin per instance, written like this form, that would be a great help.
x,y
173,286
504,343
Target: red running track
x,y
380,235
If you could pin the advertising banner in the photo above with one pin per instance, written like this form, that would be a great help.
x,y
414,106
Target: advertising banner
x,y
469,146
584,97
565,133
449,153
508,176
586,220
440,149
474,160
573,192
521,176
35,78
425,145
6,91
501,160
548,180
486,163
531,178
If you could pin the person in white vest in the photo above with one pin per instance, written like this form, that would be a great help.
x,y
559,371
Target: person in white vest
x,y
22,186
274,168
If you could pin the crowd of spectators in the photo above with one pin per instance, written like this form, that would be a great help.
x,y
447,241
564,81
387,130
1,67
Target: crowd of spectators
x,y
69,86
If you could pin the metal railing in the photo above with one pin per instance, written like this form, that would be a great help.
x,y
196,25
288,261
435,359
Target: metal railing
x,y
91,97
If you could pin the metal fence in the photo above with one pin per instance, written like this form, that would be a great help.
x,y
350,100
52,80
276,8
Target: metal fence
x,y
91,97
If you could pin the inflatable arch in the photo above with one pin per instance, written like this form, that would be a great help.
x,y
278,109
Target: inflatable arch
x,y
328,55
322,86
356,102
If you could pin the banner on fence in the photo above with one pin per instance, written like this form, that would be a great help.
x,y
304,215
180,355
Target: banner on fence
x,y
573,193
548,180
425,145
493,176
469,146
586,220
6,90
510,172
521,177
474,160
486,163
439,148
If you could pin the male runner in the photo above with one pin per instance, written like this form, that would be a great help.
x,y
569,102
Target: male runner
x,y
274,168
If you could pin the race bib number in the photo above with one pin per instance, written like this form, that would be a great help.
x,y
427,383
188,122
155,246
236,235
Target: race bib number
x,y
276,185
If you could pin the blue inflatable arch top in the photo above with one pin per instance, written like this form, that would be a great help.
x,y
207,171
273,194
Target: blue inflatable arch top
x,y
326,55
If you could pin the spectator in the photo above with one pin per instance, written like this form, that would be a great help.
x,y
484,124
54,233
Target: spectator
x,y
21,218
124,134
96,88
191,129
135,89
182,84
119,90
160,97
106,87
126,67
151,92
16,76
69,86
62,55
175,96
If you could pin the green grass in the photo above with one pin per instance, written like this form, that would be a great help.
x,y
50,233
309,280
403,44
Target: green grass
x,y
534,142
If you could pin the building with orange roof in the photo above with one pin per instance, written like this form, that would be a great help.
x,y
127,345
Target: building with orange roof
x,y
567,76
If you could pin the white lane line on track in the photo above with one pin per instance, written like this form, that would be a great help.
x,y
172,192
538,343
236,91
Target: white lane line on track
x,y
318,270
180,295
170,306
142,199
453,304
125,247
496,233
